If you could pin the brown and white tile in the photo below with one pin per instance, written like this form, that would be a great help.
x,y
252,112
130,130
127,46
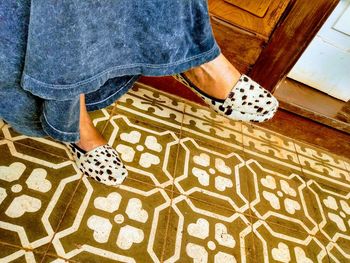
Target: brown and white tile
x,y
202,233
286,245
34,192
205,125
323,167
211,174
269,146
124,224
281,197
333,209
149,152
154,107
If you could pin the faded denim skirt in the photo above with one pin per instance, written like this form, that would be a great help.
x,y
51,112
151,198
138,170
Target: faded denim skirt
x,y
52,51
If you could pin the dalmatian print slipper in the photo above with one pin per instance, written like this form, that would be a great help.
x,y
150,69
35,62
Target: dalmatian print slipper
x,y
102,164
247,101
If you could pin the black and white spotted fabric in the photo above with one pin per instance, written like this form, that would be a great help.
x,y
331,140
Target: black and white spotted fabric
x,y
102,164
247,101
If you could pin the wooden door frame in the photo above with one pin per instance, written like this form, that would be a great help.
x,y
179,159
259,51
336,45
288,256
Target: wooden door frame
x,y
298,26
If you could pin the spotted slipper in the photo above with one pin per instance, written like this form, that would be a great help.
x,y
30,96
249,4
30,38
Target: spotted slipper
x,y
102,164
247,101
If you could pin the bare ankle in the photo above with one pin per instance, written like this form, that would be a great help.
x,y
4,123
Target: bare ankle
x,y
90,137
215,78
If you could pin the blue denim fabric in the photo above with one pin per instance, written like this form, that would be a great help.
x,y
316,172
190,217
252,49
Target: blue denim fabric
x,y
18,107
52,51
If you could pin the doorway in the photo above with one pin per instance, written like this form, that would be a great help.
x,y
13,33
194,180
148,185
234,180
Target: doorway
x,y
318,86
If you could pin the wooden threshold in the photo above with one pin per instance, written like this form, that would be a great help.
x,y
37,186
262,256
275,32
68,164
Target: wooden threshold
x,y
313,104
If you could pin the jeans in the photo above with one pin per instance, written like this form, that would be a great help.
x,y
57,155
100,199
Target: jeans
x,y
53,51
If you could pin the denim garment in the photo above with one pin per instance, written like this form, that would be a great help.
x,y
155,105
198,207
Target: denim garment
x,y
51,51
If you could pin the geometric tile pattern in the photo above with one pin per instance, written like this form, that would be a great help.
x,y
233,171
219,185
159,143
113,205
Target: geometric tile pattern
x,y
201,188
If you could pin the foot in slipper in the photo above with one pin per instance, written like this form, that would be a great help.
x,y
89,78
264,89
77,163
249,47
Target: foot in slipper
x,y
247,101
102,164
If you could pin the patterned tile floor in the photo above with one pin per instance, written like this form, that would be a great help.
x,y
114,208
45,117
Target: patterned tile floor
x,y
200,189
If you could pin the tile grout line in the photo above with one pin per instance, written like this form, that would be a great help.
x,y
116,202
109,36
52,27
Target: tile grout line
x,y
37,149
134,116
62,217
254,247
165,106
318,225
44,253
59,257
306,173
175,97
172,189
300,141
198,199
285,227
341,158
33,251
21,247
253,216
111,114
144,121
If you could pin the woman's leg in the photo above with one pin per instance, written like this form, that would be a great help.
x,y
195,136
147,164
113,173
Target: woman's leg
x,y
93,156
90,137
230,93
215,78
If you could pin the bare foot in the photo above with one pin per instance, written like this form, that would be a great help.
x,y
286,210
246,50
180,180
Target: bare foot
x,y
215,78
90,137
